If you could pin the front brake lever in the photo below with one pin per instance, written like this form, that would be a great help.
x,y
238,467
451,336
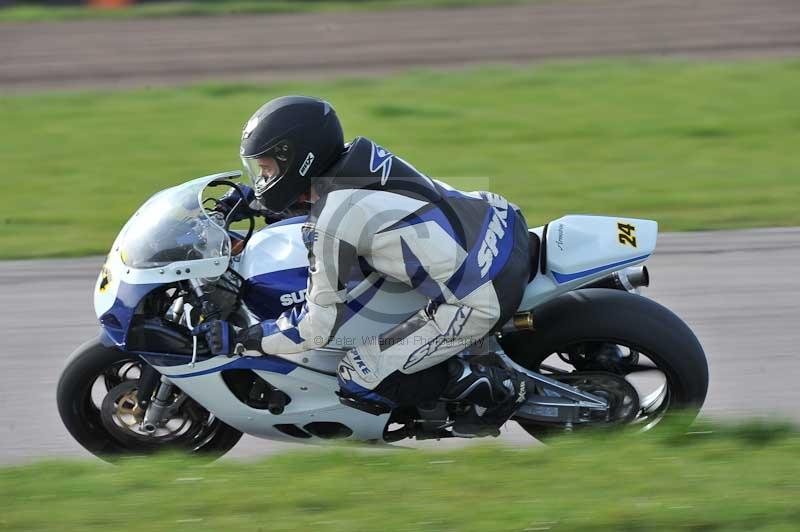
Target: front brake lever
x,y
188,315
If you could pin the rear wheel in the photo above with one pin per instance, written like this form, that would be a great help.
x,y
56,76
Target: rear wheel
x,y
593,339
97,400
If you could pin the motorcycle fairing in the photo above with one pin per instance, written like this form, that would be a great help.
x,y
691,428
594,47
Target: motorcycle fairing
x,y
116,321
214,364
579,249
577,246
120,287
313,397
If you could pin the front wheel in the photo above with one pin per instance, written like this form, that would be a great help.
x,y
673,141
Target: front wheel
x,y
97,401
583,335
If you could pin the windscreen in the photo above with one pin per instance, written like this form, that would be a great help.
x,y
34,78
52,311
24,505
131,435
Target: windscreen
x,y
173,226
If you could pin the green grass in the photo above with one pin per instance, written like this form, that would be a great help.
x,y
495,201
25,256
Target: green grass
x,y
32,12
742,479
692,145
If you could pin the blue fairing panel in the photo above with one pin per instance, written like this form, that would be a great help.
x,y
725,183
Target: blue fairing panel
x,y
270,294
116,321
264,363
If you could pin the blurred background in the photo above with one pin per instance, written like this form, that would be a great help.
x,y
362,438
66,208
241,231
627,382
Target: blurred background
x,y
681,111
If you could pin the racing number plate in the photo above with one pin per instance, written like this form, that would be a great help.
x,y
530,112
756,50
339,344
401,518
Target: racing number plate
x,y
626,234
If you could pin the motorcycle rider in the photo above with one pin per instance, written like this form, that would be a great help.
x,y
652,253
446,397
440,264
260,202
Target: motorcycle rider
x,y
369,209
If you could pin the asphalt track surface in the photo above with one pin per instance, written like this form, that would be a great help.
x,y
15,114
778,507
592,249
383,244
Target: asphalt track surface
x,y
739,291
142,52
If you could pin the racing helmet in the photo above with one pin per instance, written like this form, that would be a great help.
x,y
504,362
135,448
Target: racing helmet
x,y
302,134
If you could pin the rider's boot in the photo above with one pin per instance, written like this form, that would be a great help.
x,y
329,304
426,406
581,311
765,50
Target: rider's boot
x,y
359,382
493,391
353,394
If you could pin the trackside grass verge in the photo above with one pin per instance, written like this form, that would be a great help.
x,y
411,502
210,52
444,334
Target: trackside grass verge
x,y
692,145
740,479
33,12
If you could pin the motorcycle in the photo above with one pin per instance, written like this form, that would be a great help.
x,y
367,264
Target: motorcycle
x,y
593,350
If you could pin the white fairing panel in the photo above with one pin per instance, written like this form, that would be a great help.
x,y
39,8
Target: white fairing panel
x,y
114,271
313,399
576,244
273,249
581,249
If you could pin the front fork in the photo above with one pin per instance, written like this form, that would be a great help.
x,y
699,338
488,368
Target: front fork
x,y
148,381
157,408
154,395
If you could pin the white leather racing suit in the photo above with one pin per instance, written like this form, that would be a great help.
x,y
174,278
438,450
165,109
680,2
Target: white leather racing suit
x,y
467,252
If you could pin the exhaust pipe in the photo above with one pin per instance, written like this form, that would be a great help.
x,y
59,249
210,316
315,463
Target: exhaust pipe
x,y
629,279
521,321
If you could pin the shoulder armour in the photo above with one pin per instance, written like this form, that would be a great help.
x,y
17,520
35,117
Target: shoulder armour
x,y
367,165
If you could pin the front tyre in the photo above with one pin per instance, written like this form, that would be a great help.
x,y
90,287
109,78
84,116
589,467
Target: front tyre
x,y
595,331
98,380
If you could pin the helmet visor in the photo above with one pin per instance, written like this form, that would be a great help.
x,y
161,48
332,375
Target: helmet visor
x,y
260,177
266,168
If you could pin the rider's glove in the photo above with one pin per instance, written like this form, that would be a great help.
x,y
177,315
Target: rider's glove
x,y
219,334
250,338
231,201
244,209
223,339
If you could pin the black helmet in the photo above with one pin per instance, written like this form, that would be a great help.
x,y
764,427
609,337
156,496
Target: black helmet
x,y
302,134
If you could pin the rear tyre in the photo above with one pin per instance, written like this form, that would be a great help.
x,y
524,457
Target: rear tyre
x,y
94,370
621,333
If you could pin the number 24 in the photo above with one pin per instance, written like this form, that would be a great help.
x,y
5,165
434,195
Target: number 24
x,y
627,234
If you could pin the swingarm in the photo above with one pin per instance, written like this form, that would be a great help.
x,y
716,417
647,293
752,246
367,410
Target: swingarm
x,y
550,401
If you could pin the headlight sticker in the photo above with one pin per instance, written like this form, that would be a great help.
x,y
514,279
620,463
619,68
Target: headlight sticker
x,y
105,279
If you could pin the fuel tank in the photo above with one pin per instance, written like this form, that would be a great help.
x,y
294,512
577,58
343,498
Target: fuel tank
x,y
275,269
